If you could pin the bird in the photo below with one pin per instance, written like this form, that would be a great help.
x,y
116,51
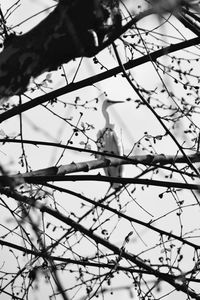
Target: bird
x,y
107,141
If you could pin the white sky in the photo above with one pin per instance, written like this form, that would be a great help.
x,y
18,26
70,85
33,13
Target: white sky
x,y
130,127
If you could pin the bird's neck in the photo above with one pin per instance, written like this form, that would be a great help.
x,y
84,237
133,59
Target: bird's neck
x,y
107,119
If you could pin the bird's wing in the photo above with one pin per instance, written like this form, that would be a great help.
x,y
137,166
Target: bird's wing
x,y
107,141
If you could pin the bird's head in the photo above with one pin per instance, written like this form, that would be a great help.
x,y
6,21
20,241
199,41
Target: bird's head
x,y
108,103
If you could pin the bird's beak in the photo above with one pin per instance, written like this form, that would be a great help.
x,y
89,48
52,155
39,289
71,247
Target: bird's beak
x,y
114,102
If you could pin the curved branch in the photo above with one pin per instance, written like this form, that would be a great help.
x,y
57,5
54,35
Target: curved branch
x,y
75,28
99,177
148,159
178,285
94,79
125,216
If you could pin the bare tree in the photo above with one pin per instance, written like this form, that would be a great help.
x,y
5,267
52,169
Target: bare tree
x,y
66,233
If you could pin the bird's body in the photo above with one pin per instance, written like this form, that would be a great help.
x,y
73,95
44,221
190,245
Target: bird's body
x,y
107,141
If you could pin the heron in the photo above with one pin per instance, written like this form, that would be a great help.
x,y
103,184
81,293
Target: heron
x,y
107,141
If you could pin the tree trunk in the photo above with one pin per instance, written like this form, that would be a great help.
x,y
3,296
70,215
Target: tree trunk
x,y
75,28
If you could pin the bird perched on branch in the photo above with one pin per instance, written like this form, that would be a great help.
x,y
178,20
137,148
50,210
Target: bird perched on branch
x,y
107,142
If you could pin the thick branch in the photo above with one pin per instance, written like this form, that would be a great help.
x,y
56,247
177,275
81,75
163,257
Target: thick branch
x,y
124,215
84,263
157,160
94,79
75,28
125,180
181,286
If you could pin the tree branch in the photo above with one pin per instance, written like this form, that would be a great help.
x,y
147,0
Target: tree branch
x,y
75,28
180,286
94,79
99,177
